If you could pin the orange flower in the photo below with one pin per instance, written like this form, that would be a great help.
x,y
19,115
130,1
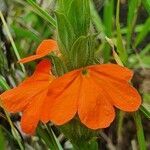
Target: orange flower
x,y
43,49
29,97
91,92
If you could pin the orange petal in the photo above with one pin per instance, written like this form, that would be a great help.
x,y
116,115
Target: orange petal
x,y
43,71
94,109
31,114
113,71
122,94
30,58
16,99
45,113
45,47
62,99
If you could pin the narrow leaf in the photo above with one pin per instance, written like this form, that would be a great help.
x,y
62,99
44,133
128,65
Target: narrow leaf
x,y
80,52
65,33
120,47
145,111
2,140
140,37
79,16
3,83
49,137
146,4
37,9
108,23
131,19
11,40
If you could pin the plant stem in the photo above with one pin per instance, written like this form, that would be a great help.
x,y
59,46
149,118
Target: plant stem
x,y
119,130
140,132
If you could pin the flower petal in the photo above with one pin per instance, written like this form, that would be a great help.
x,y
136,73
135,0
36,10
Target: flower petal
x,y
94,108
63,96
30,58
31,114
43,71
16,99
43,49
46,47
113,71
122,94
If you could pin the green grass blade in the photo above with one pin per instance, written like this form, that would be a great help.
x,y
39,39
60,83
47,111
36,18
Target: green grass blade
x,y
146,4
145,50
140,132
48,136
140,37
25,33
96,19
145,111
108,16
120,47
2,140
3,83
37,9
11,40
108,23
131,19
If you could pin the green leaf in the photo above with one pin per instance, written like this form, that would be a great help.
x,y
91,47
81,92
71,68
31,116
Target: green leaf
x,y
65,33
12,41
108,23
3,83
25,33
145,111
2,140
75,131
79,16
146,4
140,132
140,37
146,60
131,19
49,137
80,52
59,67
96,19
37,9
120,47
145,50
108,16
3,61
64,6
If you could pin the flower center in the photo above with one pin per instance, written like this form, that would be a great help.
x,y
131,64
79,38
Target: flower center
x,y
85,71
